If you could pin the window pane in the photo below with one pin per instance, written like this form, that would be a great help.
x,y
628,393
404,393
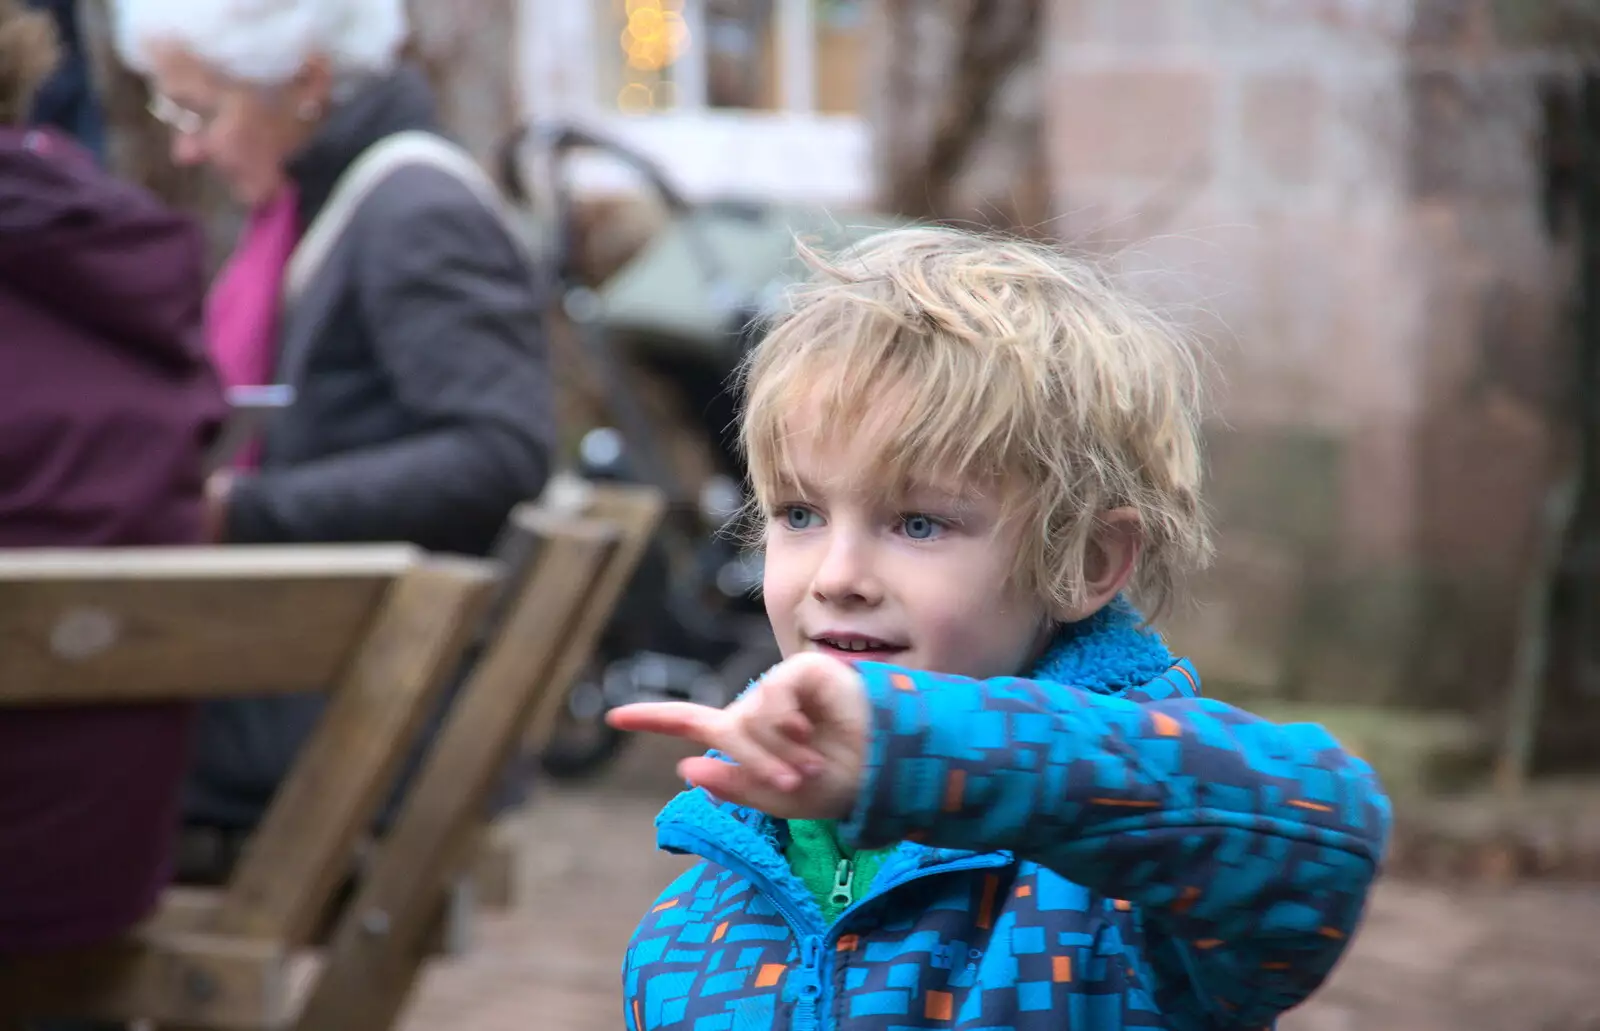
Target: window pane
x,y
740,55
734,50
840,28
642,43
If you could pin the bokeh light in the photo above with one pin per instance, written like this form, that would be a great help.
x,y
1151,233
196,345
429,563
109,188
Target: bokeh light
x,y
653,38
635,97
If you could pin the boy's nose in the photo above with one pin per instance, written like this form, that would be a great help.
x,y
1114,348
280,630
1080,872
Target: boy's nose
x,y
845,575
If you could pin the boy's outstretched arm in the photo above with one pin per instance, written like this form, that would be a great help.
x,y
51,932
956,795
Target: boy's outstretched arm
x,y
1249,847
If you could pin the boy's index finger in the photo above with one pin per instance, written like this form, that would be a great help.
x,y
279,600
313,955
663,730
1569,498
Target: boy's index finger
x,y
698,723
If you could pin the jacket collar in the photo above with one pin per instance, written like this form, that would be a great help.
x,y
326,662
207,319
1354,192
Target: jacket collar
x,y
378,108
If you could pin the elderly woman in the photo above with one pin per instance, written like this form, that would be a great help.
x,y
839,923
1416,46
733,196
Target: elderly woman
x,y
422,410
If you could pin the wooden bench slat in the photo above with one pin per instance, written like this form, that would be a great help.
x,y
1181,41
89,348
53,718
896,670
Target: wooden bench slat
x,y
232,562
185,910
180,979
124,641
635,512
182,623
291,865
383,937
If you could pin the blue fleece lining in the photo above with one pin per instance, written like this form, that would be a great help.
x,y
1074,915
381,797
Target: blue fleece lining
x,y
750,835
1107,653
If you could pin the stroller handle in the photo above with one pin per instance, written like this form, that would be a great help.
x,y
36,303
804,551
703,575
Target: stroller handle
x,y
559,141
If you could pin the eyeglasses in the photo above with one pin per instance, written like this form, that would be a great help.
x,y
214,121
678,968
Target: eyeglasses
x,y
178,118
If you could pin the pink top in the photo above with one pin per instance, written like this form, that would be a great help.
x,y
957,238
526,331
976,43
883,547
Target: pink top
x,y
243,308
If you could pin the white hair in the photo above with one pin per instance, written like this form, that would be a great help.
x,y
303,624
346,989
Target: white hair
x,y
266,42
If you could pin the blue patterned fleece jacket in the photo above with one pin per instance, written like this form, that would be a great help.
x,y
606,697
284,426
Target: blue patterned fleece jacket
x,y
1093,848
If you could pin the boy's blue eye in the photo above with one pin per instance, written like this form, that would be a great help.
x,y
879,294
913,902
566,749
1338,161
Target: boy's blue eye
x,y
798,517
919,527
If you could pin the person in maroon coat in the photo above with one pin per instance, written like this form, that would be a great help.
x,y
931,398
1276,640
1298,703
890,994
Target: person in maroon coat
x,y
107,406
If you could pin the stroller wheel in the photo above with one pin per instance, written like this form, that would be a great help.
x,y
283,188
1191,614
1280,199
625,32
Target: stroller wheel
x,y
582,743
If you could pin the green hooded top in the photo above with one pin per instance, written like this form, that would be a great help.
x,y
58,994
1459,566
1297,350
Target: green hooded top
x,y
835,874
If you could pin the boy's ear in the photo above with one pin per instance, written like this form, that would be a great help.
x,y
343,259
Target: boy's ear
x,y
1108,562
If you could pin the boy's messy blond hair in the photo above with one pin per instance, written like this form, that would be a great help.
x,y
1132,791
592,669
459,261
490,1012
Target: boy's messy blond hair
x,y
996,362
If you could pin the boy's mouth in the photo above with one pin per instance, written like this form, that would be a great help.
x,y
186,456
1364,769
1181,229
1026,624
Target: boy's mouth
x,y
856,646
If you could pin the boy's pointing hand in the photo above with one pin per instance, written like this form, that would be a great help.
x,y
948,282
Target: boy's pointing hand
x,y
798,736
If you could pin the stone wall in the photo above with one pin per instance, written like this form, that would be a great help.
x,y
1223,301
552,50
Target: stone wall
x,y
1344,197
1493,357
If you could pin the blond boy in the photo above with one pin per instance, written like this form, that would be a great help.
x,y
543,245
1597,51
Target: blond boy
x,y
980,792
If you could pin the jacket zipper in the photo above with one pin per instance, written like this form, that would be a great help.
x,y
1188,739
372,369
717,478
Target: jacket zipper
x,y
805,1019
844,881
810,984
978,862
806,928
813,946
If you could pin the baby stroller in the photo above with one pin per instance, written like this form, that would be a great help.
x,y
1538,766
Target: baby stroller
x,y
684,310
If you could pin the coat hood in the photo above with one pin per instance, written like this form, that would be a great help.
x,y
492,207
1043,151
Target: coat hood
x,y
97,252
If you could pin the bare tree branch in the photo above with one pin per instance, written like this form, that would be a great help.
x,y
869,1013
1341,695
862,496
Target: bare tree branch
x,y
991,39
467,48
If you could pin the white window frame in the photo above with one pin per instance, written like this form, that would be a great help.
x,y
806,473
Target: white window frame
x,y
793,155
